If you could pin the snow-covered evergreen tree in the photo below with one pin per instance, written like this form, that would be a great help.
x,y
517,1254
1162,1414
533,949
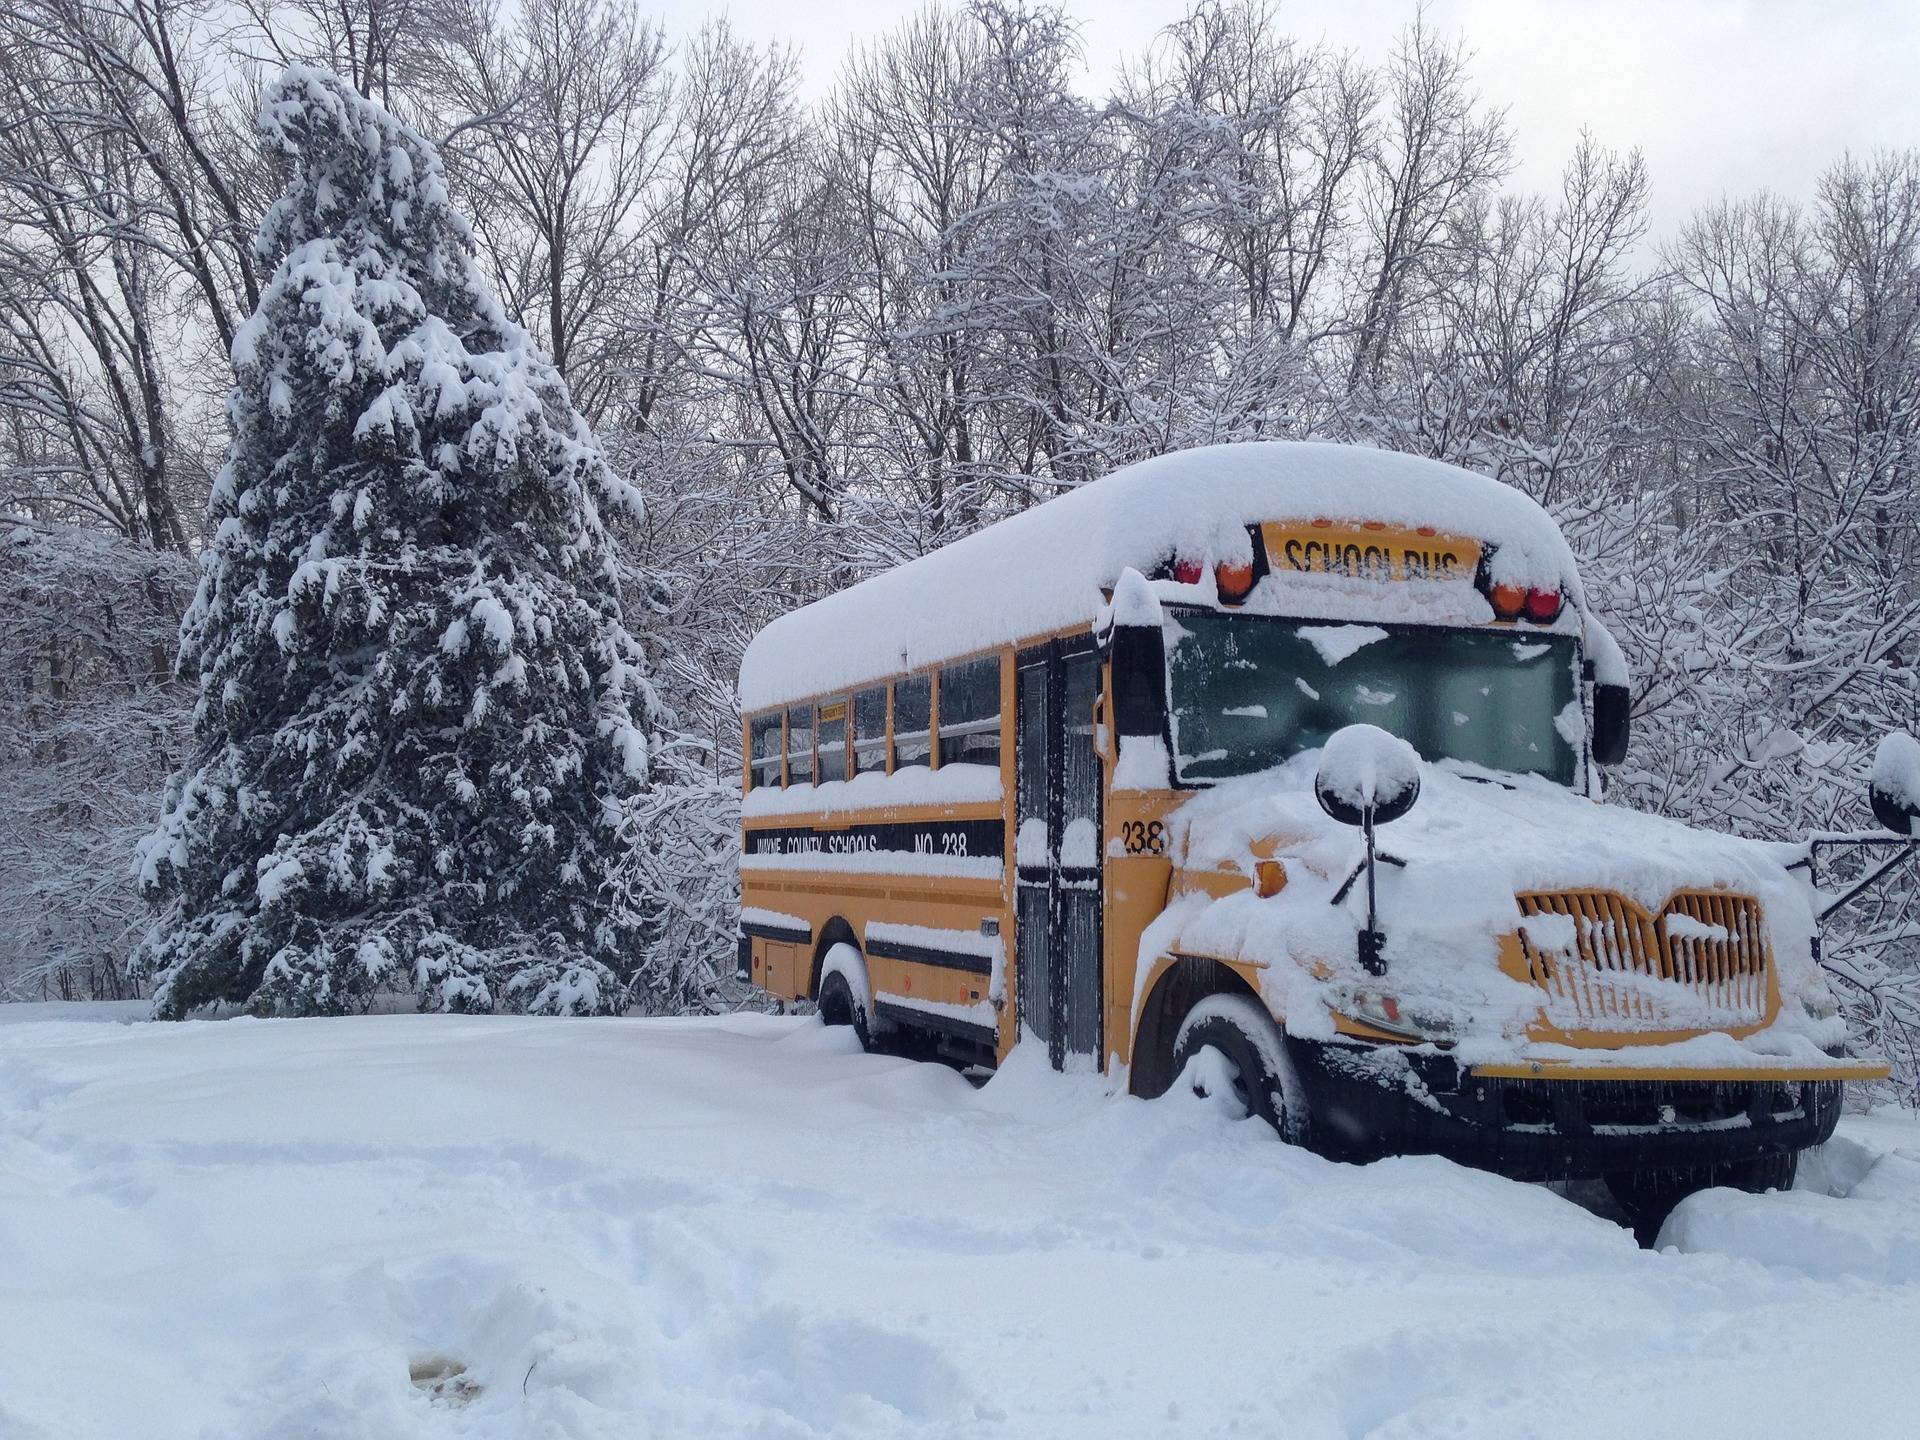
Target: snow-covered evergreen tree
x,y
421,717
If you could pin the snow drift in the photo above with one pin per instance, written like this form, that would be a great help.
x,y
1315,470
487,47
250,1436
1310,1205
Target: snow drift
x,y
742,1227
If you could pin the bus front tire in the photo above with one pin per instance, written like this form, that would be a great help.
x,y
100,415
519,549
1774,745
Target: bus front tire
x,y
1228,1047
837,1007
1649,1196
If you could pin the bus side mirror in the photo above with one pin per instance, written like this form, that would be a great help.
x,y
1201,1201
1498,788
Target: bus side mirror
x,y
1367,777
1894,790
1136,649
1139,681
1133,640
1612,723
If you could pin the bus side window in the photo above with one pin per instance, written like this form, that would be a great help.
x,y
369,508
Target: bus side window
x,y
970,712
800,745
766,750
870,730
831,718
912,721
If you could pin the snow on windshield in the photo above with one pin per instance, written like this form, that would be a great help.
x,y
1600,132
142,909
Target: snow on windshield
x,y
1336,642
1248,691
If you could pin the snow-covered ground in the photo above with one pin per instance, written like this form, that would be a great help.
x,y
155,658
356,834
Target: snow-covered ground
x,y
745,1227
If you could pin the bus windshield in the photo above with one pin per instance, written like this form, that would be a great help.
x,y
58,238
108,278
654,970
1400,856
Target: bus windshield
x,y
1250,691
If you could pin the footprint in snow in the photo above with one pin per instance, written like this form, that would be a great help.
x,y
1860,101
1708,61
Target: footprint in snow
x,y
443,1379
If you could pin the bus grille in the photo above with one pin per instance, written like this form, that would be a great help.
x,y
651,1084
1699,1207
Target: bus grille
x,y
1701,963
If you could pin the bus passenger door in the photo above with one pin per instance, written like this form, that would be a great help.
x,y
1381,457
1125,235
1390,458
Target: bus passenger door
x,y
1057,863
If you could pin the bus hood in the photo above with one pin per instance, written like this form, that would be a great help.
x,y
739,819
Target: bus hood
x,y
1471,847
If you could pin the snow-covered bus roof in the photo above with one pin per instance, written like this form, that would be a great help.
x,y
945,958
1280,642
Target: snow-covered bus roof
x,y
1045,569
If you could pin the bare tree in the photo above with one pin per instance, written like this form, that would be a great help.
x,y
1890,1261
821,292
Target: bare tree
x,y
87,306
380,46
1295,123
573,103
1438,147
145,70
912,171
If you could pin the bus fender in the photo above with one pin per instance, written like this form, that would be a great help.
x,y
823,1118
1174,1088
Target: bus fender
x,y
844,959
835,932
1175,984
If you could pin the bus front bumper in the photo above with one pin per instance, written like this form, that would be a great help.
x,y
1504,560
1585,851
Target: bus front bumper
x,y
1540,1122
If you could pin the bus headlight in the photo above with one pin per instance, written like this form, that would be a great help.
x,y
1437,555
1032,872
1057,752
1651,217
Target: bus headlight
x,y
1385,1012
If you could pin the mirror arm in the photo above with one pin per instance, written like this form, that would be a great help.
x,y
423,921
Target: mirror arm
x,y
1372,939
1346,885
1352,796
1372,942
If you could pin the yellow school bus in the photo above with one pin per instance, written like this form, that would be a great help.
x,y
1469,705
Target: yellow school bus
x,y
1275,770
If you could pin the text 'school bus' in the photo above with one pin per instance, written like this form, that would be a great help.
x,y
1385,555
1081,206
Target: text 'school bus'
x,y
1068,783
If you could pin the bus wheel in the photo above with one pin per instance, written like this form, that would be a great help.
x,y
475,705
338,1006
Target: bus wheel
x,y
1229,1047
837,1007
1649,1196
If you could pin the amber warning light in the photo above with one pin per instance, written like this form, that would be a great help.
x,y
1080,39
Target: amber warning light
x,y
1232,579
1540,604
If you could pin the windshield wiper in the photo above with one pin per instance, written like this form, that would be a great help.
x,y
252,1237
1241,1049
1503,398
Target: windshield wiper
x,y
1480,779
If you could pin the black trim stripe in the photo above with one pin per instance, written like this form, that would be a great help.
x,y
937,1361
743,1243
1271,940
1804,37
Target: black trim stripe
x,y
786,934
928,1020
959,839
929,955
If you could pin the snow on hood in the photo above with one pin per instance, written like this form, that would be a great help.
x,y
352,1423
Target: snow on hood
x,y
1470,846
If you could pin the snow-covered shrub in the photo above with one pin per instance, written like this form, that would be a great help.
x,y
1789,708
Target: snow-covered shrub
x,y
90,722
681,867
421,716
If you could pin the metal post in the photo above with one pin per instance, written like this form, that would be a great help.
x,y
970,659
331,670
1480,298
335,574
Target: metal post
x,y
1371,940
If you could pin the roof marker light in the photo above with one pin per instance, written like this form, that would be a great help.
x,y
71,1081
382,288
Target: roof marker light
x,y
1508,601
1235,579
1543,606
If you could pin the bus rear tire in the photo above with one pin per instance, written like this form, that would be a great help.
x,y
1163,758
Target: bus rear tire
x,y
839,1006
1649,1196
1229,1047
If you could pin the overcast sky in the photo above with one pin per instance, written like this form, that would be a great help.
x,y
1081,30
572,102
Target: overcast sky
x,y
1721,95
